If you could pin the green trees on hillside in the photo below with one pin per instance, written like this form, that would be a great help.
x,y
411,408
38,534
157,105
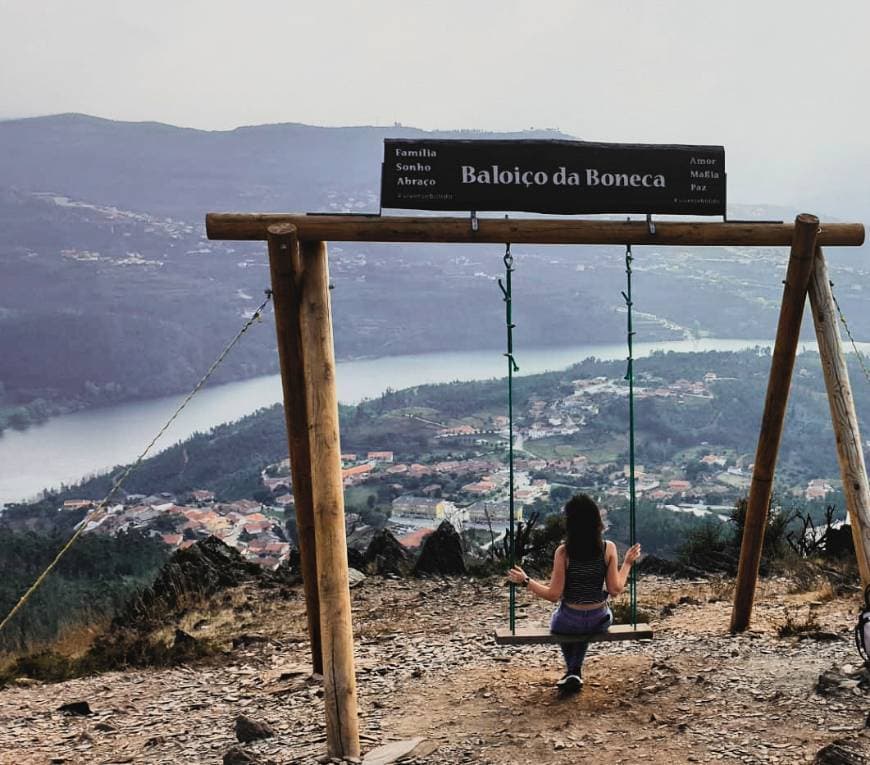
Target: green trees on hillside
x,y
93,579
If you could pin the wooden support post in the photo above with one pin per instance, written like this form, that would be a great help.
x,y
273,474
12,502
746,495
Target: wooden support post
x,y
849,450
342,725
285,265
800,265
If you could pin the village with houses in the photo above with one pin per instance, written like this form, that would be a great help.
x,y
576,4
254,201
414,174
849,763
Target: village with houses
x,y
459,473
256,530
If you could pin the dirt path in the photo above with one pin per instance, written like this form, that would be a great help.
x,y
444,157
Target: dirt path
x,y
427,666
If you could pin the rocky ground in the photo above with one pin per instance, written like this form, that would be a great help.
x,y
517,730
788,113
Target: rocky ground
x,y
428,667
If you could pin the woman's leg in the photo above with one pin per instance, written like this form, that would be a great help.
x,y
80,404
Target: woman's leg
x,y
577,655
573,653
558,624
569,621
563,622
580,655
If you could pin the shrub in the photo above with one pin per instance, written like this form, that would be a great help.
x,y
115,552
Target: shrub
x,y
709,547
793,626
622,612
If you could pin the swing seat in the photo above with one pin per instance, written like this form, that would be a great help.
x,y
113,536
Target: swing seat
x,y
543,636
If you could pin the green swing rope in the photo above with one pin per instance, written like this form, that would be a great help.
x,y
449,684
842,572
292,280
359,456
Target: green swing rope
x,y
505,287
632,493
506,290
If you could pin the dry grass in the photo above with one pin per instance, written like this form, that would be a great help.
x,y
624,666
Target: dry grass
x,y
826,592
794,626
720,588
75,641
622,612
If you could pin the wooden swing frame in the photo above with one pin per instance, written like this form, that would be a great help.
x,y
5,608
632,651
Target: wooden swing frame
x,y
303,318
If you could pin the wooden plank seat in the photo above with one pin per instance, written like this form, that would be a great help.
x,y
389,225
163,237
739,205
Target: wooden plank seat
x,y
542,635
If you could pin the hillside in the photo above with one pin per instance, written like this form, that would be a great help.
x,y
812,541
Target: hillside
x,y
674,426
695,440
427,667
109,291
182,172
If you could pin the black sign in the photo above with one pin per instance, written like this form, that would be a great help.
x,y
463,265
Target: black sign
x,y
564,177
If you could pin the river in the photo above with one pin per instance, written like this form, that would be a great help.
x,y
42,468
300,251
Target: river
x,y
64,449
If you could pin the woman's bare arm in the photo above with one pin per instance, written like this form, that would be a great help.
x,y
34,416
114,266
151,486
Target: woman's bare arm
x,y
616,576
553,589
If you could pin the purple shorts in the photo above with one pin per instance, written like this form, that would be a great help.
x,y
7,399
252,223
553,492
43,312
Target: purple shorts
x,y
572,621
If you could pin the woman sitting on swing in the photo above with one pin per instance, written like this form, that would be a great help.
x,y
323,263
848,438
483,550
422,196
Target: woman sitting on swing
x,y
585,571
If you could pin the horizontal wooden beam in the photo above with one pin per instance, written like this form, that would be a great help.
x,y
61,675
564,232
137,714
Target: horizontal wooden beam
x,y
541,635
362,228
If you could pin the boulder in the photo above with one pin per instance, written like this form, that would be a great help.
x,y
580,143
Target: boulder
x,y
238,756
385,555
356,558
78,708
248,638
829,682
189,575
183,640
844,752
441,553
846,680
393,751
184,648
293,563
250,730
355,578
839,543
186,583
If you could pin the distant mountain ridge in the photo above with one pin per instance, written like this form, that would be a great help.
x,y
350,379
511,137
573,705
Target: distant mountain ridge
x,y
183,172
110,291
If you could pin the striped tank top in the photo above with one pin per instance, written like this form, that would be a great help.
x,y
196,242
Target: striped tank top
x,y
584,582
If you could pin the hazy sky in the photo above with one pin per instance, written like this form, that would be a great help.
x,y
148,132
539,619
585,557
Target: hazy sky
x,y
769,79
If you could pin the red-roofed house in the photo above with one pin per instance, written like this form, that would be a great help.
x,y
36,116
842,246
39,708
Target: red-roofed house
x,y
380,456
78,504
245,506
276,484
415,539
350,474
479,487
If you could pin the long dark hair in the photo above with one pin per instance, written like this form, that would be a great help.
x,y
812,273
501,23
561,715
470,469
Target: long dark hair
x,y
584,529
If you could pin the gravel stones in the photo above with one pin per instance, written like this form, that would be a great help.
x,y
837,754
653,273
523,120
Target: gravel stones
x,y
427,666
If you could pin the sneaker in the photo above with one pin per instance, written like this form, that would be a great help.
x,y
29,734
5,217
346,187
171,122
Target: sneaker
x,y
569,683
